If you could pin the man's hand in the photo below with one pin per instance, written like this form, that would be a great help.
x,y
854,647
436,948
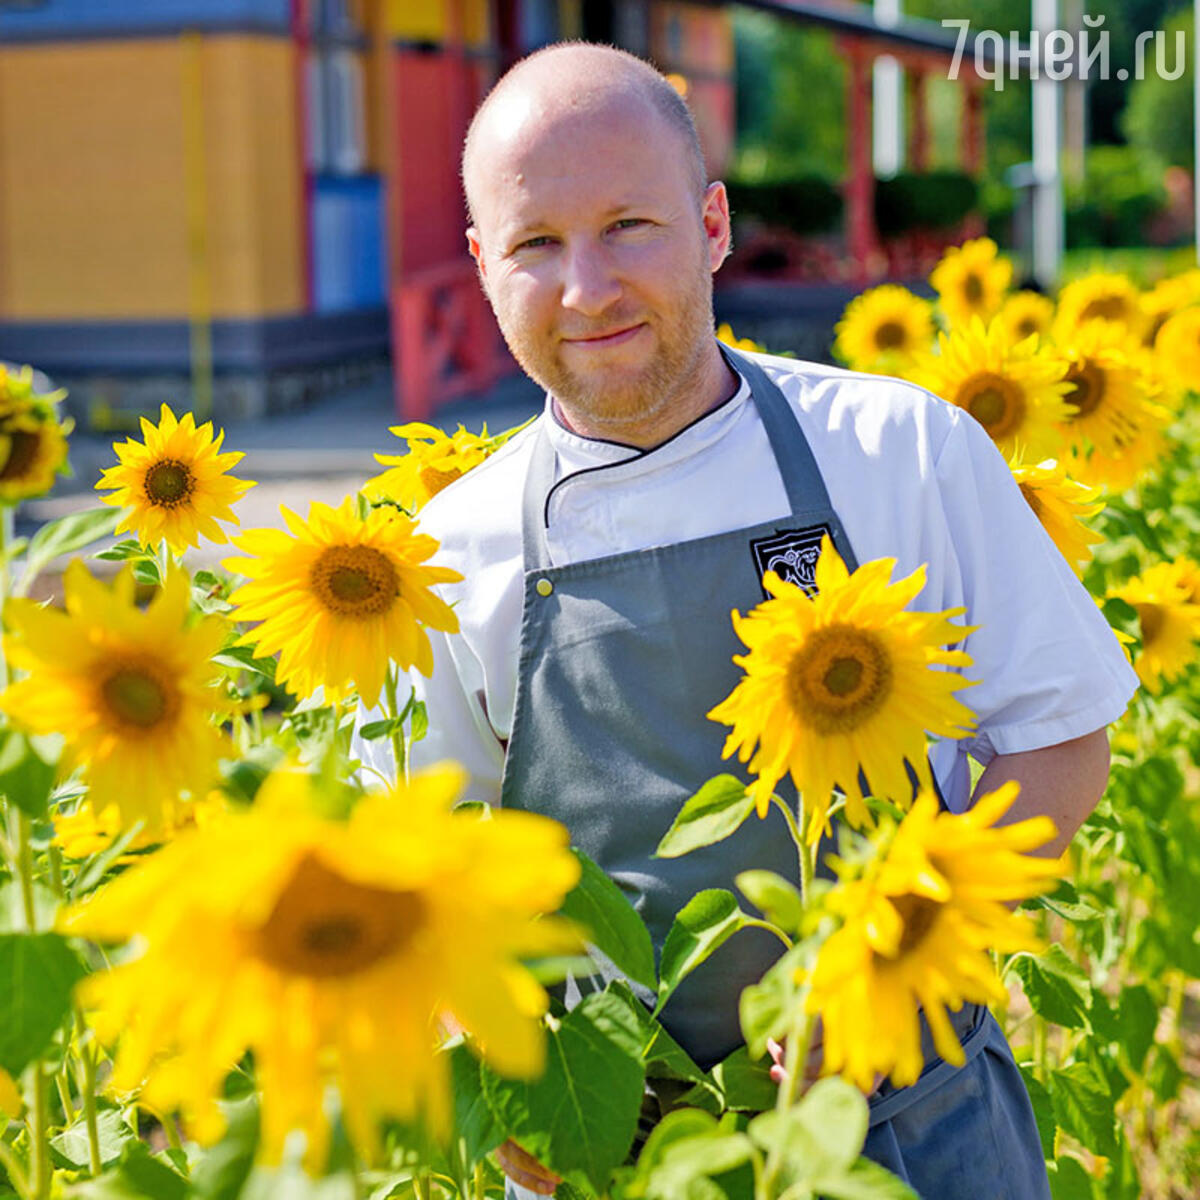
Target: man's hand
x,y
525,1170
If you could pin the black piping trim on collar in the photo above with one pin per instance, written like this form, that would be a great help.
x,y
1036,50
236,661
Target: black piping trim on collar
x,y
640,453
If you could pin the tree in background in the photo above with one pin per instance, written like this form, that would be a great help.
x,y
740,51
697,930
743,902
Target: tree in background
x,y
1158,117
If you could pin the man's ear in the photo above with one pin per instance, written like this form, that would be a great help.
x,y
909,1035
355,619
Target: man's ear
x,y
476,248
715,215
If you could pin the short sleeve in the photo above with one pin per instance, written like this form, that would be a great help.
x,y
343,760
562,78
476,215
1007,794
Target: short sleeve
x,y
1048,666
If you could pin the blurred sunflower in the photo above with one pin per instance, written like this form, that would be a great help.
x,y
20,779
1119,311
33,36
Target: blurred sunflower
x,y
1109,404
1062,505
725,334
1014,390
1025,313
331,950
1165,299
1169,621
132,691
883,328
11,1103
1177,350
1101,296
842,683
971,281
434,460
84,831
174,484
33,442
918,927
339,596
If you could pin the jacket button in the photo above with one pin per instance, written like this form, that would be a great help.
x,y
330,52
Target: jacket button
x,y
544,587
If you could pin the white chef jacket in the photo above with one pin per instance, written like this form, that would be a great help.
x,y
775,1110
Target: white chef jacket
x,y
911,477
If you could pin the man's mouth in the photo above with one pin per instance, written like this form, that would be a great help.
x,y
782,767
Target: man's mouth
x,y
601,341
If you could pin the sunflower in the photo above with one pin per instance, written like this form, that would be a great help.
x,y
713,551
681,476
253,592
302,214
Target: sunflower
x,y
1062,505
1013,389
1177,350
174,484
1168,618
918,926
330,950
842,683
971,280
33,442
1165,299
84,832
725,334
434,460
131,690
882,329
11,1103
1111,415
1101,296
339,595
1026,313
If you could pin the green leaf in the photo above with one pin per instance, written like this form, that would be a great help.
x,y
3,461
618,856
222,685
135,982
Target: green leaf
x,y
420,721
822,1135
764,1008
146,571
26,779
613,926
475,1124
1164,1075
664,1058
1043,1110
374,730
1064,901
242,658
579,1118
708,920
865,1180
124,549
745,1083
67,534
222,1171
1137,1019
37,973
1083,1106
12,907
70,1148
138,1176
688,1159
775,897
711,815
1069,1180
1055,986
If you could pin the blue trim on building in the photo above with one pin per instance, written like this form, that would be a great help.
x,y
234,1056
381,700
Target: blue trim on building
x,y
253,346
64,20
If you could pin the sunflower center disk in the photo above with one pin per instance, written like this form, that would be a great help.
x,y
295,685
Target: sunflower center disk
x,y
840,678
890,336
1026,328
137,696
1105,308
22,453
918,913
434,480
1152,619
168,483
323,925
973,288
355,581
995,402
1088,389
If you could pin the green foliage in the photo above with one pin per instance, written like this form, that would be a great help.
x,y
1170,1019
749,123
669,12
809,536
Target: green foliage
x,y
714,813
930,200
803,204
37,974
1121,191
1158,116
708,920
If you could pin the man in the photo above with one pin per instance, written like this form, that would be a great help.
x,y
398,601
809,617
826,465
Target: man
x,y
604,548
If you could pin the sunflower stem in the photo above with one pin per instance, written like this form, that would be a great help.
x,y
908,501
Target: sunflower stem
x,y
62,1082
87,1091
754,922
795,1058
39,1135
793,828
398,737
15,1172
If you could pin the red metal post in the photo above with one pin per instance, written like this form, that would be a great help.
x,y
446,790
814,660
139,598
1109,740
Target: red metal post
x,y
972,129
861,237
301,43
918,121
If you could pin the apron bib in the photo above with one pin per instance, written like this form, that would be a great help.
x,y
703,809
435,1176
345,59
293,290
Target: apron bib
x,y
620,659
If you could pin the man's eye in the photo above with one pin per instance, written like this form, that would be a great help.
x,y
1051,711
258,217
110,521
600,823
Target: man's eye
x,y
535,243
628,223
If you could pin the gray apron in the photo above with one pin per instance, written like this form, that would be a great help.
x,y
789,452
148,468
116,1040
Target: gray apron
x,y
621,657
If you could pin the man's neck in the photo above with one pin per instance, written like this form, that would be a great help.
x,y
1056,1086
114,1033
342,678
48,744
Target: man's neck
x,y
717,382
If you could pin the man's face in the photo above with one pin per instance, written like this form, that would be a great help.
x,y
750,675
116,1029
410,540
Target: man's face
x,y
597,253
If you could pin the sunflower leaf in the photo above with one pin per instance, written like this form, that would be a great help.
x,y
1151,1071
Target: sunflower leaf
x,y
775,897
700,928
26,778
67,534
37,974
613,926
715,812
1057,988
1084,1107
580,1116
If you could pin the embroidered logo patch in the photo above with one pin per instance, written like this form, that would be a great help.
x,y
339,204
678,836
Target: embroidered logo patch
x,y
791,554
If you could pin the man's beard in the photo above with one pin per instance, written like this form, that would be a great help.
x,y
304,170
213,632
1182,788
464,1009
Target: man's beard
x,y
599,403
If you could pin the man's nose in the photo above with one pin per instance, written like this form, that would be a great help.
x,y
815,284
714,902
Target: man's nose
x,y
590,284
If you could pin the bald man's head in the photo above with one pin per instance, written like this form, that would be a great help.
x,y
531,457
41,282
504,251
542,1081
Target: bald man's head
x,y
571,79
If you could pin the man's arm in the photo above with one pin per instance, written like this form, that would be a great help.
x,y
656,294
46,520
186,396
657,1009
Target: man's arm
x,y
1063,782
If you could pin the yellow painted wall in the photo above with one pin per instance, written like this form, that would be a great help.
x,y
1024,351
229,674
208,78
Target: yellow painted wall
x,y
437,20
93,217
